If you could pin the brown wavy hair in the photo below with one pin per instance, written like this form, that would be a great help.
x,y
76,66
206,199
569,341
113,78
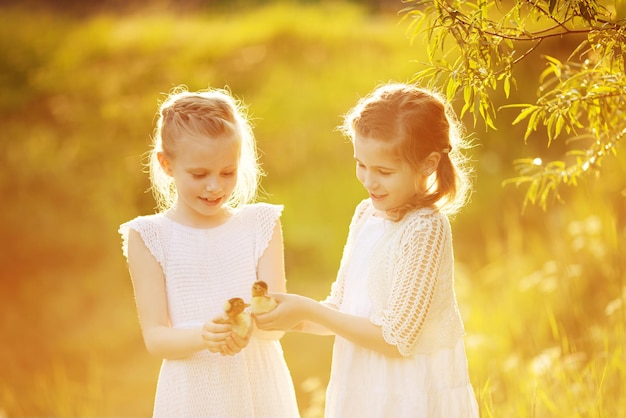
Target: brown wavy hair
x,y
415,122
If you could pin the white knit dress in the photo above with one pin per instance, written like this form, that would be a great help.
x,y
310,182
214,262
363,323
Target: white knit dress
x,y
204,268
400,275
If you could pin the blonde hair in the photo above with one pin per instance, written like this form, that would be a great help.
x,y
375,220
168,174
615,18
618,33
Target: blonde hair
x,y
415,122
212,113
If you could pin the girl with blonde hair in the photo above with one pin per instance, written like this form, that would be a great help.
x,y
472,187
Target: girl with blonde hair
x,y
206,245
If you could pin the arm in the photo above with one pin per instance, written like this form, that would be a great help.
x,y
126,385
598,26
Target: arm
x,y
415,277
424,244
309,327
271,270
150,295
294,309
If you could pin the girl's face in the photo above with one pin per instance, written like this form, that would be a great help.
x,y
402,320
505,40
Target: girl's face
x,y
389,180
205,174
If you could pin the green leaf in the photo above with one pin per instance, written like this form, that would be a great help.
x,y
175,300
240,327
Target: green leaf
x,y
524,113
507,87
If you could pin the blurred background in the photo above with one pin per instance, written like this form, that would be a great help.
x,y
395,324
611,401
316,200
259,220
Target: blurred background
x,y
541,292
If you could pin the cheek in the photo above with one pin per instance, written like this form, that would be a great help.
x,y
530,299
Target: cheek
x,y
230,182
360,175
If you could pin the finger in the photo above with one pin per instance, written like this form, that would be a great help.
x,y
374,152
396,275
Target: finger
x,y
215,336
213,328
215,346
233,347
217,328
220,320
268,323
265,318
241,342
214,349
229,349
261,323
278,296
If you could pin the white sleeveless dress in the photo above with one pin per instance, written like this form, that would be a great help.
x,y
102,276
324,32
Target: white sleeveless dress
x,y
399,274
204,268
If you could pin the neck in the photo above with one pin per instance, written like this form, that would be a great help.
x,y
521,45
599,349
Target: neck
x,y
196,220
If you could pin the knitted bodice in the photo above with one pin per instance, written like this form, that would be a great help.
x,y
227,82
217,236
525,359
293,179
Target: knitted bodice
x,y
203,268
410,281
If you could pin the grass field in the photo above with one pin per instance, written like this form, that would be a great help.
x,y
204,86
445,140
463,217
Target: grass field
x,y
542,293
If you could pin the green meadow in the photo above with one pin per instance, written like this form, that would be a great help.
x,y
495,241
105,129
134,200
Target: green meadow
x,y
541,292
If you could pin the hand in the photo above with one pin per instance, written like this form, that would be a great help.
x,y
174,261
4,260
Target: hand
x,y
288,314
235,344
215,334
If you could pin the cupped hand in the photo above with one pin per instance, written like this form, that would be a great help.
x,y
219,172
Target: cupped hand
x,y
235,344
288,314
215,334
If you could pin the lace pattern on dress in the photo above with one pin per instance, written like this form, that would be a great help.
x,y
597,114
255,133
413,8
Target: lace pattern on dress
x,y
410,272
410,281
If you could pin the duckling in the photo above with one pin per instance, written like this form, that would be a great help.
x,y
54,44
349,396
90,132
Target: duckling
x,y
262,301
237,316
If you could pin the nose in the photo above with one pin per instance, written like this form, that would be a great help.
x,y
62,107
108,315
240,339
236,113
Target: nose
x,y
212,184
368,181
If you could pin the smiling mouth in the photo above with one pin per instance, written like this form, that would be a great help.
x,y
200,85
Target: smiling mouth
x,y
377,196
211,202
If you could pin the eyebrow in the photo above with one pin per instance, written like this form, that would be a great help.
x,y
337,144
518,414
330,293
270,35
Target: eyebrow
x,y
378,167
230,167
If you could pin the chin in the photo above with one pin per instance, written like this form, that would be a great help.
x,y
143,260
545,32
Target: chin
x,y
380,207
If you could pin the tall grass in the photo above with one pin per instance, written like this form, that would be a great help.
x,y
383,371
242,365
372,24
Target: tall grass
x,y
542,294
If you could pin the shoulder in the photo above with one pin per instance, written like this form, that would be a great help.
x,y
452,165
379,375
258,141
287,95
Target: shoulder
x,y
260,217
148,227
425,220
427,215
363,208
142,222
259,211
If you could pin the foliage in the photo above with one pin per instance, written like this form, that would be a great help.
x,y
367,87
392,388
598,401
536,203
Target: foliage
x,y
542,295
474,47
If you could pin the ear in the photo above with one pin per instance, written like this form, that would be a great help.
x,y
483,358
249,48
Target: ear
x,y
165,163
431,162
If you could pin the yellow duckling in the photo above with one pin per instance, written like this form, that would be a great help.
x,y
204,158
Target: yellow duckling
x,y
237,316
262,301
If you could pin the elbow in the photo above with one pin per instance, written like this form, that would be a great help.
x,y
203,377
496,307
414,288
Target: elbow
x,y
393,348
157,345
393,351
397,353
152,347
159,352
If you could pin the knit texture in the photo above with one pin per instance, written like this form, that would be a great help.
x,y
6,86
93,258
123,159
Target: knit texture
x,y
203,268
410,280
400,276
